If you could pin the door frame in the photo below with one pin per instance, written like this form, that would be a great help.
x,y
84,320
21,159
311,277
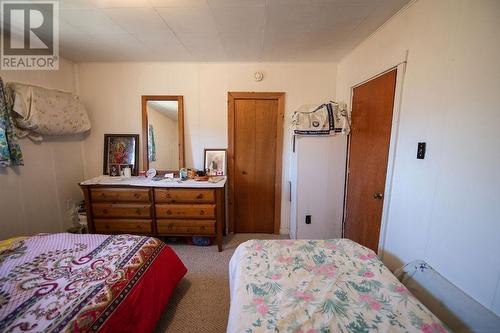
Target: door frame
x,y
280,97
393,142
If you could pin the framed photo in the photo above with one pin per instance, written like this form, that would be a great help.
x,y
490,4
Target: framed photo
x,y
215,162
114,170
123,166
120,150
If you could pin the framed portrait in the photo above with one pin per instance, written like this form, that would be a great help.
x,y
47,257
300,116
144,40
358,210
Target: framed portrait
x,y
121,150
114,170
215,162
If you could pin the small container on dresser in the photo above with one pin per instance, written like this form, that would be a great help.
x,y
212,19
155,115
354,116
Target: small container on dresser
x,y
141,206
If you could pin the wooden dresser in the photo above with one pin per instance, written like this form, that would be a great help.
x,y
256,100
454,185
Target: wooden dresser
x,y
141,206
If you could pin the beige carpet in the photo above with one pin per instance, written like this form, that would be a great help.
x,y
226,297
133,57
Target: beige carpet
x,y
200,302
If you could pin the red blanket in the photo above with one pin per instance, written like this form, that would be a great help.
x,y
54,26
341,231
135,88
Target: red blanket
x,y
86,283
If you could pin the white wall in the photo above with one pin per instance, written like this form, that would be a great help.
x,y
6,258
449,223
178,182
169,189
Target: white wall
x,y
444,209
112,94
33,197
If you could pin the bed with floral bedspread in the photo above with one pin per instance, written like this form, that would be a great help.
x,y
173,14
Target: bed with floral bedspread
x,y
319,286
86,283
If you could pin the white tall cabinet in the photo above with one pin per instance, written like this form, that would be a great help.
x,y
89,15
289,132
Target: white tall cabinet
x,y
317,174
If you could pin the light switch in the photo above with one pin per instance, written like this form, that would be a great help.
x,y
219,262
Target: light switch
x,y
421,150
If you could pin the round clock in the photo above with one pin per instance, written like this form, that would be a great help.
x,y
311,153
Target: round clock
x,y
151,173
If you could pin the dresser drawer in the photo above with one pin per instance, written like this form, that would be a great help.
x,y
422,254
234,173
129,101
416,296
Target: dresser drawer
x,y
173,211
168,195
121,210
120,194
186,227
123,226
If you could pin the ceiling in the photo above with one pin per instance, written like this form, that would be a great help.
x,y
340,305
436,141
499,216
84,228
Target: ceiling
x,y
166,108
217,30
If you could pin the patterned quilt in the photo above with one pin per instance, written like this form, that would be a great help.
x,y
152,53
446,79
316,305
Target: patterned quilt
x,y
320,286
67,282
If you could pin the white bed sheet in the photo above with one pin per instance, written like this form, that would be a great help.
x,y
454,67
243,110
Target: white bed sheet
x,y
319,286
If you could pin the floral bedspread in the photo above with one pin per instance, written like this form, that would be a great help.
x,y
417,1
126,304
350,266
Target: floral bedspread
x,y
66,282
320,286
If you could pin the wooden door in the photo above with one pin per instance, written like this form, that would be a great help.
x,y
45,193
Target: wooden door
x,y
372,107
255,147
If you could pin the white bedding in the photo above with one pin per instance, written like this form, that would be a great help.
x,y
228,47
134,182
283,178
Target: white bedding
x,y
319,286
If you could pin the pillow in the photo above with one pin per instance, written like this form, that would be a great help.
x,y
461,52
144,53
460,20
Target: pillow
x,y
10,243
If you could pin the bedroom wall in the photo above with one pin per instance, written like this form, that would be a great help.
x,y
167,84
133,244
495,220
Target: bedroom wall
x,y
444,209
112,93
34,197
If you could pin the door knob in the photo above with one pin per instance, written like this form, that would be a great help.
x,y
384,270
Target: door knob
x,y
378,196
243,172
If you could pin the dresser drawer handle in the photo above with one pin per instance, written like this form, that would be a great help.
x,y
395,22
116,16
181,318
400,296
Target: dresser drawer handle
x,y
137,195
169,212
200,196
138,211
138,227
202,212
105,211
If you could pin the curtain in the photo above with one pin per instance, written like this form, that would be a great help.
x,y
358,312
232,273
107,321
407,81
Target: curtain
x,y
10,152
151,144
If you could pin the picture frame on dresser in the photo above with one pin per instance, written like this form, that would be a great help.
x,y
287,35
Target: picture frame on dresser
x,y
214,161
120,150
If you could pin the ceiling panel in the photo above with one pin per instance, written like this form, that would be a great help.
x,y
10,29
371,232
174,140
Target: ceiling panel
x,y
240,19
164,45
134,20
333,17
87,49
178,3
242,46
91,21
237,3
280,46
197,20
71,4
304,3
120,3
121,41
218,30
203,47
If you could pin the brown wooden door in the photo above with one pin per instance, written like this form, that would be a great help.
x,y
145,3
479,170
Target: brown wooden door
x,y
372,107
255,171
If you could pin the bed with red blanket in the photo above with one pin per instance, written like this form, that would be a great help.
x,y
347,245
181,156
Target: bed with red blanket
x,y
86,283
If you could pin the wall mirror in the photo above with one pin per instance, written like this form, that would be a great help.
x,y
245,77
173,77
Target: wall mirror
x,y
163,132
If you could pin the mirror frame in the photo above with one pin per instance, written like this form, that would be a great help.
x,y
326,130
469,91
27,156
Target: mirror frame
x,y
180,107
